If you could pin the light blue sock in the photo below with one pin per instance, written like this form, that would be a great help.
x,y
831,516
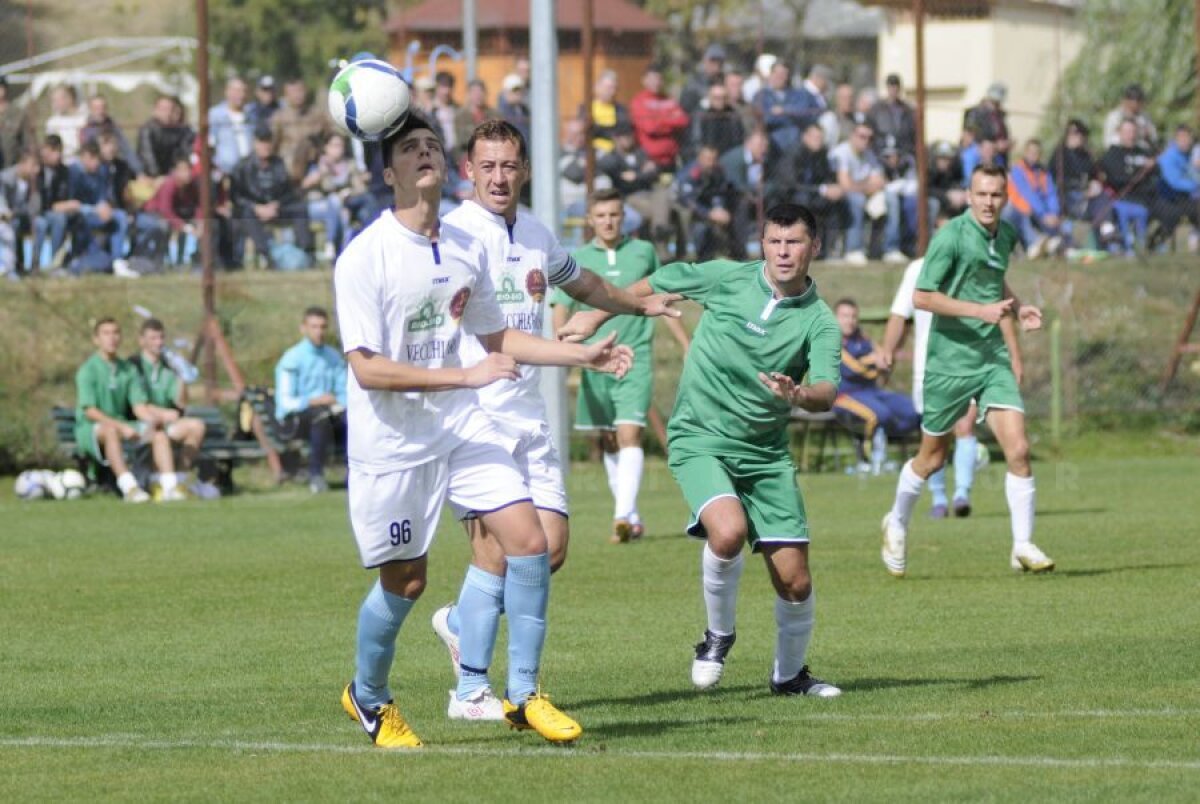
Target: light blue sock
x,y
379,621
478,612
937,487
526,592
452,621
964,466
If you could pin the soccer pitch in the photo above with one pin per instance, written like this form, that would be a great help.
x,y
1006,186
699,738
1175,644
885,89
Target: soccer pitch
x,y
197,651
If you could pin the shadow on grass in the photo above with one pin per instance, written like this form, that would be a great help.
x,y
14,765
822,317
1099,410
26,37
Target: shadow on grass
x,y
668,696
872,684
1090,573
1040,513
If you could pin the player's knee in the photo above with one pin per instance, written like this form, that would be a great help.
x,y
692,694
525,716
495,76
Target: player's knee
x,y
727,538
1016,453
558,556
797,588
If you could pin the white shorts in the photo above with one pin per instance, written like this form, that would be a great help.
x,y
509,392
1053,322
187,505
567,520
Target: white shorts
x,y
395,515
537,459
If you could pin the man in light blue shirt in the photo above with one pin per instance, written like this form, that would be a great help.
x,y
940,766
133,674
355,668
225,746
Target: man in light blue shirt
x,y
310,394
230,128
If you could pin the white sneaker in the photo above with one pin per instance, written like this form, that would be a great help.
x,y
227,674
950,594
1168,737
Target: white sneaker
x,y
173,495
895,256
483,706
121,268
856,257
441,627
894,551
1028,558
137,494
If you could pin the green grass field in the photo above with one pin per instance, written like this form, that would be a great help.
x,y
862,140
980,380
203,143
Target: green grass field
x,y
198,651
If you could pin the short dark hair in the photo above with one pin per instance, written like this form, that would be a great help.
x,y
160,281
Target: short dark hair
x,y
1078,125
845,301
414,121
152,325
108,319
445,78
602,195
313,311
498,131
988,170
91,148
1183,127
53,142
262,133
788,214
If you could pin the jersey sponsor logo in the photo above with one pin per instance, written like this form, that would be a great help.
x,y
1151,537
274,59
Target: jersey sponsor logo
x,y
525,321
755,328
458,303
536,284
427,351
508,292
428,317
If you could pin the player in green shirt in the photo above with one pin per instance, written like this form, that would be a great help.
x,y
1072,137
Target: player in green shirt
x,y
617,408
763,329
972,356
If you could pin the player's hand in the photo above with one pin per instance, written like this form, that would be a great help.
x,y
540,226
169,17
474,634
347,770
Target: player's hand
x,y
581,326
1030,317
170,415
884,359
782,386
992,313
496,366
658,304
608,356
128,433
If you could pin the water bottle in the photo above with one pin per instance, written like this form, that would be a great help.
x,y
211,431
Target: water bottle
x,y
180,365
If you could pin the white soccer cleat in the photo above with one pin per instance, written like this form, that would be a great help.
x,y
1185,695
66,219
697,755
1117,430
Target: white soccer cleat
x,y
895,547
1028,558
709,663
441,627
137,494
484,705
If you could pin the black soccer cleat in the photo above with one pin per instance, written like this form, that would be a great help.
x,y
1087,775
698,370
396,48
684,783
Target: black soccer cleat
x,y
805,683
710,659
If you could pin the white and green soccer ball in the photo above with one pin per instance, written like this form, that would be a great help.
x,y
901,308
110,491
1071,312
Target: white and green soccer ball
x,y
369,99
30,485
72,483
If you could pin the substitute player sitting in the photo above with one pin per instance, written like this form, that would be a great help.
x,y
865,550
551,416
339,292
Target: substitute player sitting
x,y
617,408
972,355
764,328
409,289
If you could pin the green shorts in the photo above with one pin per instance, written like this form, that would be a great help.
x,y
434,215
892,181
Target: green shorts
x,y
604,401
766,489
89,447
948,398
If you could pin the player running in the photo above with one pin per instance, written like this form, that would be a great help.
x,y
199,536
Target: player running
x,y
763,329
972,345
409,291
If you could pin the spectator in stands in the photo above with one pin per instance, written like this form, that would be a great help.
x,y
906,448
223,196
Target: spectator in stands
x,y
99,121
758,78
230,130
861,404
946,182
704,191
522,70
1074,172
300,129
18,198
989,121
813,90
715,122
161,140
751,168
56,210
265,104
1128,171
658,119
263,195
1179,188
900,172
837,122
471,114
335,189
118,173
747,112
1033,204
1131,107
892,117
808,178
862,180
97,211
513,106
572,169
635,176
15,133
696,88
166,397
864,102
66,121
607,112
784,110
981,151
310,394
173,209
422,96
445,110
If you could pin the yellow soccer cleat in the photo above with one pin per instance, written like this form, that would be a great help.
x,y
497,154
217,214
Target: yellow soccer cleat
x,y
545,718
384,725
1028,558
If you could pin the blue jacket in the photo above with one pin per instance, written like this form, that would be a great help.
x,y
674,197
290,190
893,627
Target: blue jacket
x,y
305,372
1176,181
89,189
858,367
797,109
1031,190
229,143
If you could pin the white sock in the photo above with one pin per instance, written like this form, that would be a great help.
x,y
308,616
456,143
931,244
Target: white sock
x,y
721,577
610,469
127,483
629,478
794,623
167,481
1021,496
908,491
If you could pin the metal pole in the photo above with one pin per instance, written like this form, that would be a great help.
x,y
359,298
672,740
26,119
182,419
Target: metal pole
x,y
588,46
206,212
471,39
543,58
1196,39
922,156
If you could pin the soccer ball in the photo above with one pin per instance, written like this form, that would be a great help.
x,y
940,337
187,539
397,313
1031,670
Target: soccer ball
x,y
72,483
369,99
29,486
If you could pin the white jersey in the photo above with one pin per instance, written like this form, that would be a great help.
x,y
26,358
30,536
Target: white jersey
x,y
411,299
525,261
922,320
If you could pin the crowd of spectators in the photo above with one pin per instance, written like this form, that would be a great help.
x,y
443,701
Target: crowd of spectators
x,y
697,167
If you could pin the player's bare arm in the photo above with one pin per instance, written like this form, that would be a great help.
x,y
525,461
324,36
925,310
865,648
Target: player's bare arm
x,y
584,324
375,372
604,356
816,398
941,304
594,291
893,337
1029,316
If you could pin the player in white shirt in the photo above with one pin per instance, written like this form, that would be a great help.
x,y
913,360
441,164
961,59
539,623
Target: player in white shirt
x,y
525,260
966,446
409,291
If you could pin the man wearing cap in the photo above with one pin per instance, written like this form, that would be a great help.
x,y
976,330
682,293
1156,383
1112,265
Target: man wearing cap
x,y
1131,107
265,103
513,107
696,88
892,117
946,181
989,121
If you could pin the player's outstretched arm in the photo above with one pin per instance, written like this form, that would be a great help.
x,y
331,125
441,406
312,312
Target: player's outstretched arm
x,y
815,398
374,372
941,304
1029,316
595,291
584,324
605,356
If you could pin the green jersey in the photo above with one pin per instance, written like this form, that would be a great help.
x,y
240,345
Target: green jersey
x,y
114,388
966,263
745,330
631,261
159,381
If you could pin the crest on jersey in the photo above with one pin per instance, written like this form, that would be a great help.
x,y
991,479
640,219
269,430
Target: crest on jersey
x,y
535,283
508,292
458,303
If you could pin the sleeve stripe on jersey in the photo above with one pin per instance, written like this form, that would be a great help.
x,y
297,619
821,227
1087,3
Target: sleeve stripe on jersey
x,y
565,273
